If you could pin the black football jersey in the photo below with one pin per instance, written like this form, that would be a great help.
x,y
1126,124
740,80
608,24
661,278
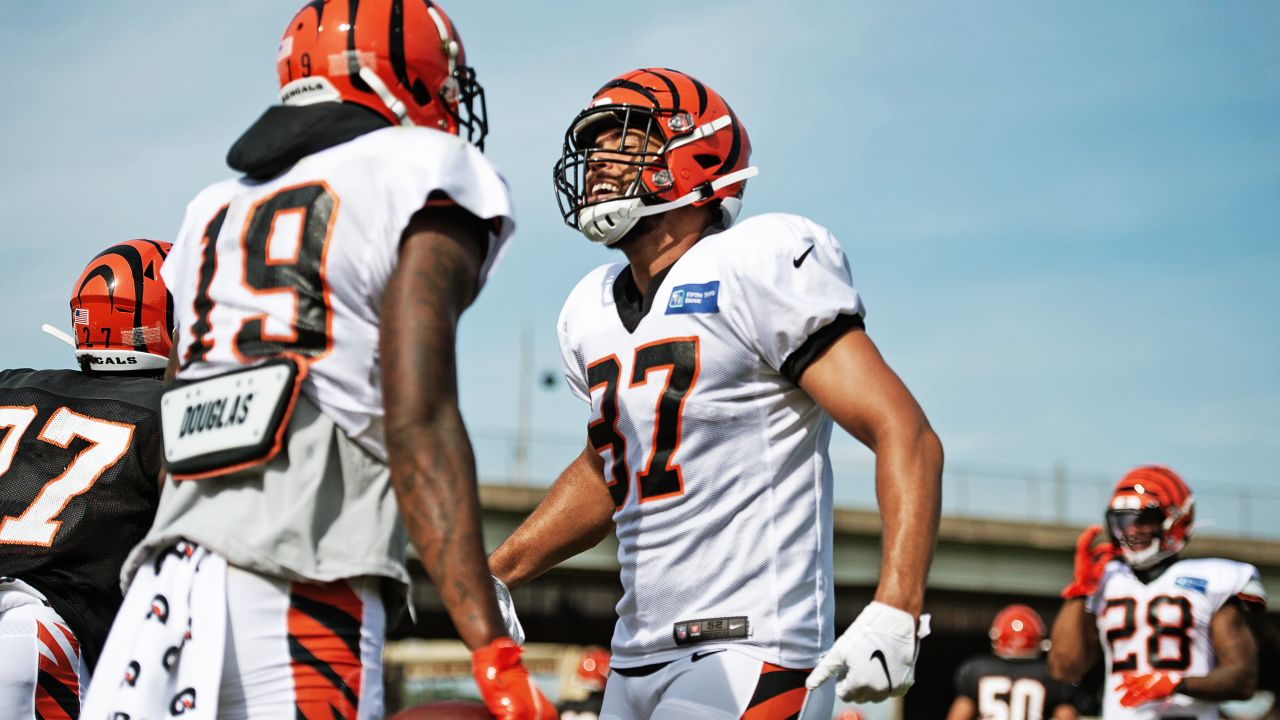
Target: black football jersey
x,y
1013,689
79,460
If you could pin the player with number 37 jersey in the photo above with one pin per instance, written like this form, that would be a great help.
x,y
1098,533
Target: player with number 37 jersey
x,y
692,391
715,362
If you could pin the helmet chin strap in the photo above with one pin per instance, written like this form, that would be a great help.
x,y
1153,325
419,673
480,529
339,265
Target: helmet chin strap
x,y
609,222
393,105
702,192
55,332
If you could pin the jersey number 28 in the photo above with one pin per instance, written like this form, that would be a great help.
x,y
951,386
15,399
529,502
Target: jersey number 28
x,y
1168,645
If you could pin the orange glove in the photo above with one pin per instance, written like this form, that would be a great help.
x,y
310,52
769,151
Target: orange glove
x,y
505,686
1140,689
1090,562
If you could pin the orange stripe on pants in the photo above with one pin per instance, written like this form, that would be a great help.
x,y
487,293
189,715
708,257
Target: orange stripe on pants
x,y
324,646
779,695
58,684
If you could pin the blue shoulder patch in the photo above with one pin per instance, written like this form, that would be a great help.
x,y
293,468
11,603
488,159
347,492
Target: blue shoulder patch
x,y
1199,585
696,298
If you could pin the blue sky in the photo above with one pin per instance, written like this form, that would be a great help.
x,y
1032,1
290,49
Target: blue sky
x,y
1065,218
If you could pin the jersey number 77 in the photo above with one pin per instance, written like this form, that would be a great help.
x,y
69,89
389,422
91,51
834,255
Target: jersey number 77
x,y
109,441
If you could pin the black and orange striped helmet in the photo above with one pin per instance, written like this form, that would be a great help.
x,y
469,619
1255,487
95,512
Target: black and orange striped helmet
x,y
121,312
692,150
403,59
1151,496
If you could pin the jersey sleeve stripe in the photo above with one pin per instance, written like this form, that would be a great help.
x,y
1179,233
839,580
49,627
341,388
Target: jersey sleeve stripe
x,y
796,363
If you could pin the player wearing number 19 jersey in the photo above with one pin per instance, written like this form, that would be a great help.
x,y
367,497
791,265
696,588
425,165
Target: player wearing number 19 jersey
x,y
714,361
79,471
361,228
1172,631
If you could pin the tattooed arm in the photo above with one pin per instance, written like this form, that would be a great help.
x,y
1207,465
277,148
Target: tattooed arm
x,y
432,466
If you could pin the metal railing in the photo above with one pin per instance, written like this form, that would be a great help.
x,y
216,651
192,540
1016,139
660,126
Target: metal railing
x,y
1052,494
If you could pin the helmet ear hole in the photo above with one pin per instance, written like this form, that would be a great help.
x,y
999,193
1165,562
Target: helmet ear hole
x,y
421,95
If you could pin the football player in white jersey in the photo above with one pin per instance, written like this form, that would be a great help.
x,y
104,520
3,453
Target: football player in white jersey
x,y
714,361
315,406
1173,632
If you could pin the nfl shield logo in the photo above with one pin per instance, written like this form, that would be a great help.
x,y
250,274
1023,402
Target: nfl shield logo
x,y
682,632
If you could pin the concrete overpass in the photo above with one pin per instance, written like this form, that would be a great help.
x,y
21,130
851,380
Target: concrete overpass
x,y
980,566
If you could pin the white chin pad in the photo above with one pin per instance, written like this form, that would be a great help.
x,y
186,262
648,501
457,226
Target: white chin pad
x,y
1142,558
729,209
609,221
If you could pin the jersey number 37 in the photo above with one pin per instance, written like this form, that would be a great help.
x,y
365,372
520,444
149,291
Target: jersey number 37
x,y
661,477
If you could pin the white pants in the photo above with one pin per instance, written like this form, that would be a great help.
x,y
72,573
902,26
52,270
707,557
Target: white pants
x,y
40,665
206,640
715,684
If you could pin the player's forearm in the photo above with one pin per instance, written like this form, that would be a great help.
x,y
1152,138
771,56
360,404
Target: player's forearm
x,y
1065,712
433,474
1074,642
909,491
1226,682
575,516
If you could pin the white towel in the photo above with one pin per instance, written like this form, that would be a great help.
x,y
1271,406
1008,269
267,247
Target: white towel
x,y
164,655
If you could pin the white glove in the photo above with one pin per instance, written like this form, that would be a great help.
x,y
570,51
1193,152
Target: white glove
x,y
875,658
508,610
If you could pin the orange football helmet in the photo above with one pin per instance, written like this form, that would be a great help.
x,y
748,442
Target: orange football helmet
x,y
403,60
1151,515
121,312
593,669
1017,633
703,157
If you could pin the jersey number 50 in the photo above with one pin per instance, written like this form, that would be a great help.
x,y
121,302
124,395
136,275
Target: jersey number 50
x,y
1003,698
661,477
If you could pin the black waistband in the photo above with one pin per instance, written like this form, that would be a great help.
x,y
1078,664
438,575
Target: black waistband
x,y
642,670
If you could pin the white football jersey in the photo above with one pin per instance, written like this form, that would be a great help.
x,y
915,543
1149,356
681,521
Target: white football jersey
x,y
1164,625
716,459
299,263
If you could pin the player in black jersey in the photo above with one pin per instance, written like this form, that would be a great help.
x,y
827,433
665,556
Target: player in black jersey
x,y
1014,683
79,480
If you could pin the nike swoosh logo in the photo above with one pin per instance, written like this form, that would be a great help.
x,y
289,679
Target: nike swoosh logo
x,y
699,655
803,255
879,655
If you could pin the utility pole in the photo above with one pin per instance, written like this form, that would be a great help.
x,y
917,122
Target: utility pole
x,y
524,409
